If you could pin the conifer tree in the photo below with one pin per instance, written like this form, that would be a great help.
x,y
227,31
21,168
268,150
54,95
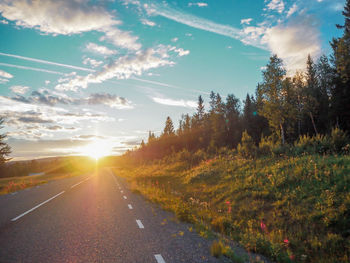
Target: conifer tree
x,y
5,149
169,127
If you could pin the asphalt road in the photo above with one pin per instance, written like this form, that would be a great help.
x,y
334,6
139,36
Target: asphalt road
x,y
93,218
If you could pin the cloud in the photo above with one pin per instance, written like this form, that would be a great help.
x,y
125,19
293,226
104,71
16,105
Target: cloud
x,y
175,39
5,74
19,89
92,47
178,103
276,5
182,52
292,10
32,69
50,98
112,101
148,22
61,17
246,21
4,22
199,4
92,62
122,68
45,62
289,41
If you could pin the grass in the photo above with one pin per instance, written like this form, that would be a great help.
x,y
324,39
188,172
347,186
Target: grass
x,y
13,184
290,209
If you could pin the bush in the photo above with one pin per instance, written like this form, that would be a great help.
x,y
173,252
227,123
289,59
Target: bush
x,y
319,144
217,249
339,140
247,148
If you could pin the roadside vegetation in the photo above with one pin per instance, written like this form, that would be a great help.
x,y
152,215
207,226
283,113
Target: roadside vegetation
x,y
43,171
273,175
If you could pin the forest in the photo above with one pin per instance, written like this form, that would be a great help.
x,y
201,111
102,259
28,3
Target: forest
x,y
270,173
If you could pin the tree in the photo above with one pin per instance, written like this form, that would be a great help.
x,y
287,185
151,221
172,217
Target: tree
x,y
312,92
341,61
169,127
5,149
232,117
271,95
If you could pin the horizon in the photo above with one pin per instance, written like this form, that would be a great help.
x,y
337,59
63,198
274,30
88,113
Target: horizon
x,y
107,74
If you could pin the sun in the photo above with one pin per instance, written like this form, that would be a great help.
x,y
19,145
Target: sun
x,y
97,149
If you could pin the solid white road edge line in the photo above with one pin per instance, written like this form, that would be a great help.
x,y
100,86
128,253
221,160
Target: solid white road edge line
x,y
139,223
35,207
130,206
77,184
159,258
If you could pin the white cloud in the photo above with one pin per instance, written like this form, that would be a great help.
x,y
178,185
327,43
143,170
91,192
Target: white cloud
x,y
3,21
193,21
246,21
2,80
122,68
178,103
290,44
292,10
5,74
175,39
181,52
19,89
92,62
276,5
61,17
148,22
92,47
199,4
31,68
47,82
44,62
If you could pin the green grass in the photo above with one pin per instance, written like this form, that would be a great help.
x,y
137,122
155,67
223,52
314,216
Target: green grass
x,y
13,184
305,200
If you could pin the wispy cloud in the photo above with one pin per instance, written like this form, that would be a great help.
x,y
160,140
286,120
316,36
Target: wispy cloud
x,y
178,103
92,47
19,89
45,62
199,4
5,74
31,68
194,21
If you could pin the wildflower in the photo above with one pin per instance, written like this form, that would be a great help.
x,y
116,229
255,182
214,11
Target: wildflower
x,y
263,226
292,257
286,241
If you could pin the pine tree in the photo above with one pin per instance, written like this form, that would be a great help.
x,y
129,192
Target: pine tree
x,y
5,149
169,127
232,118
312,92
341,60
271,96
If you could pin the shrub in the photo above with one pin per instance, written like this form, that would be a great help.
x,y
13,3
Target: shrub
x,y
339,140
247,148
217,249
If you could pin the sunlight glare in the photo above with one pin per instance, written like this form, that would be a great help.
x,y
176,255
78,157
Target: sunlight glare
x,y
97,149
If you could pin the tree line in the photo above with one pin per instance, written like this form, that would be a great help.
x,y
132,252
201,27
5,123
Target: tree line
x,y
283,108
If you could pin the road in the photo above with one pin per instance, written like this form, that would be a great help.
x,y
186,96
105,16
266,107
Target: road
x,y
93,218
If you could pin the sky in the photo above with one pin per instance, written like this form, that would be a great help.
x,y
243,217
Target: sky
x,y
79,74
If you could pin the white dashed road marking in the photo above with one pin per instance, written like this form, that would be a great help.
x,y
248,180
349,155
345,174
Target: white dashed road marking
x,y
159,258
77,184
35,207
139,223
130,207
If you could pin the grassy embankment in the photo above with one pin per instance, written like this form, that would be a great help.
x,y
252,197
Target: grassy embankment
x,y
291,209
67,167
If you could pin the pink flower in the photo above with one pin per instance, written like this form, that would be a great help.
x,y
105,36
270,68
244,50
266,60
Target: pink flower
x,y
263,226
286,241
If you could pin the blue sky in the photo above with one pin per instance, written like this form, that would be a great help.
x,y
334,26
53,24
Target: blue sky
x,y
80,73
